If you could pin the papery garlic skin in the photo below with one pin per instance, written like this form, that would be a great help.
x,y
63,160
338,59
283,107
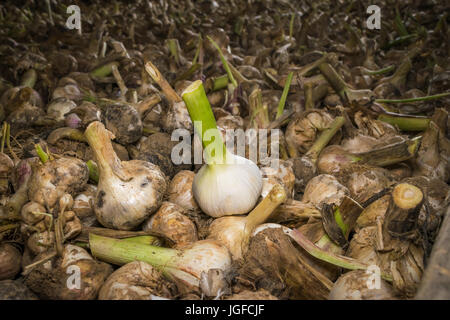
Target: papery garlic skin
x,y
136,280
324,188
10,261
228,189
124,206
59,107
353,286
51,181
233,236
180,190
171,221
195,259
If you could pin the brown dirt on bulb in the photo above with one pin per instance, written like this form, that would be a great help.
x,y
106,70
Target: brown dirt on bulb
x,y
137,281
157,149
124,122
52,284
64,175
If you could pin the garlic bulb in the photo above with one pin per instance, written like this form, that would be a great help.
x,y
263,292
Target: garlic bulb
x,y
302,131
31,212
136,281
355,285
324,188
56,283
359,143
55,178
128,191
180,190
69,91
171,221
228,189
214,283
183,266
59,107
366,182
283,175
10,261
83,205
228,184
234,232
124,122
176,118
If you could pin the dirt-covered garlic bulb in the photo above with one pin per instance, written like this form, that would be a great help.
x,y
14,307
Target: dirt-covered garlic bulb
x,y
214,283
177,117
282,174
86,112
234,232
6,168
137,281
58,283
58,108
128,191
180,190
32,212
13,98
433,158
69,90
40,242
83,205
363,246
10,261
171,220
363,183
55,178
333,159
227,126
157,149
302,131
23,110
124,122
323,189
